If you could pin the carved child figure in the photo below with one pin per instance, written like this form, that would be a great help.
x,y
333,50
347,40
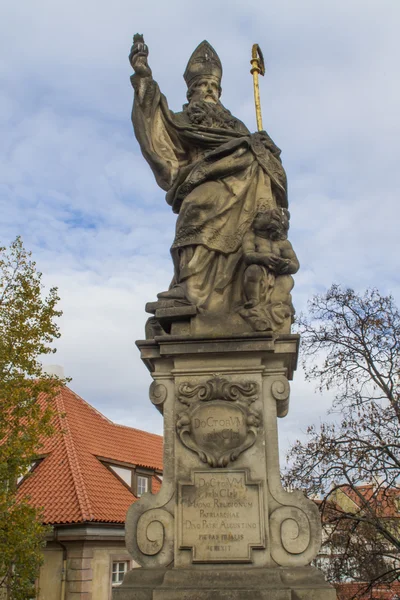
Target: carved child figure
x,y
270,261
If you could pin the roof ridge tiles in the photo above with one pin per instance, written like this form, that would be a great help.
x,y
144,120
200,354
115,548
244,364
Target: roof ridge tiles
x,y
136,429
76,473
106,419
89,406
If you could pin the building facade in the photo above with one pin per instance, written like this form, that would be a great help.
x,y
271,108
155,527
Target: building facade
x,y
85,478
355,554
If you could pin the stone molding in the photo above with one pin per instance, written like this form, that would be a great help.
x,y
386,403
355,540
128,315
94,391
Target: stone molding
x,y
208,388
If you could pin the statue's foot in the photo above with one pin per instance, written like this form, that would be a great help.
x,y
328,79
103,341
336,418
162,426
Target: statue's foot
x,y
175,293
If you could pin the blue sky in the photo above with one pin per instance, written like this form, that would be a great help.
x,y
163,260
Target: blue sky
x,y
74,185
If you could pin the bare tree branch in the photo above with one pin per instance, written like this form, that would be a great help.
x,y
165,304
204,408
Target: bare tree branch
x,y
351,344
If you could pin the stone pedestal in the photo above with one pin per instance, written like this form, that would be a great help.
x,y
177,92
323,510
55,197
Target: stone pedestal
x,y
222,526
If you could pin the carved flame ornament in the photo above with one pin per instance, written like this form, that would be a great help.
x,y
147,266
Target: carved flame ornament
x,y
219,423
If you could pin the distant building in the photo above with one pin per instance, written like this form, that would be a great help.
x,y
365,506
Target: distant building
x,y
86,476
385,505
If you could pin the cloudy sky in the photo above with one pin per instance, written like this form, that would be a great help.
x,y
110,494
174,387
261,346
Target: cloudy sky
x,y
74,185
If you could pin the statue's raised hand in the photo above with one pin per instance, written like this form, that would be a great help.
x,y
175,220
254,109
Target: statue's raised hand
x,y
138,56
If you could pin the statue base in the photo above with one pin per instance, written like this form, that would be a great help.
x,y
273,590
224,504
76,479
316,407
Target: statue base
x,y
223,583
222,527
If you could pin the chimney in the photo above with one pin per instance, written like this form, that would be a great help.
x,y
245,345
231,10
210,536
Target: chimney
x,y
56,370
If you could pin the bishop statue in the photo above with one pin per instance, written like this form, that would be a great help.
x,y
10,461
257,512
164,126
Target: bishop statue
x,y
221,354
218,178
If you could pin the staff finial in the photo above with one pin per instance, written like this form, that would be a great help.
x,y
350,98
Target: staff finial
x,y
257,68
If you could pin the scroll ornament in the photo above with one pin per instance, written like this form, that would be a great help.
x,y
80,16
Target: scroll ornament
x,y
155,534
158,393
295,535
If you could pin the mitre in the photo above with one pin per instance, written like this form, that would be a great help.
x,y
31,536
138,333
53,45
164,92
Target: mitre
x,y
203,62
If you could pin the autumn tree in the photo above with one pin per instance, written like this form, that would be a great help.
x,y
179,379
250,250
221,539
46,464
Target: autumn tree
x,y
28,329
350,347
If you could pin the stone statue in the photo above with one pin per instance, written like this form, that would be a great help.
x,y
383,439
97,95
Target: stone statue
x,y
217,177
270,261
221,355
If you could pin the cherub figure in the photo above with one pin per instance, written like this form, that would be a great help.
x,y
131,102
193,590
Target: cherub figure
x,y
270,261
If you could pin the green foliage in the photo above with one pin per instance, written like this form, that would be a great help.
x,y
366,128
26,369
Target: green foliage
x,y
22,540
27,331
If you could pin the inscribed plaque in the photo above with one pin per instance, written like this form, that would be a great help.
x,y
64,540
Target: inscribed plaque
x,y
220,516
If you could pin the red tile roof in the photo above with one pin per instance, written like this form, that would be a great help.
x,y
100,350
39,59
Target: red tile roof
x,y
347,591
384,500
71,483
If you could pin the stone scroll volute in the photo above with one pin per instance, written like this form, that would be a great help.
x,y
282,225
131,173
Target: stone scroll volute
x,y
150,522
150,535
295,524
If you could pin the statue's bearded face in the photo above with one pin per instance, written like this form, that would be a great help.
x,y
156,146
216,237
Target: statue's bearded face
x,y
206,89
204,106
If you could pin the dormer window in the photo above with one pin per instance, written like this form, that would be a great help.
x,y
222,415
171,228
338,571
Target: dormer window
x,y
142,485
137,479
35,463
142,481
124,473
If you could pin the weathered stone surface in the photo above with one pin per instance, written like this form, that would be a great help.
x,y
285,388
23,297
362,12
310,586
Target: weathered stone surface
x,y
231,254
217,594
167,314
220,516
223,421
283,347
222,502
218,431
226,584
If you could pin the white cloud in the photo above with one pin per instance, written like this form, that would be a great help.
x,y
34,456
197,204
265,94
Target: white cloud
x,y
74,184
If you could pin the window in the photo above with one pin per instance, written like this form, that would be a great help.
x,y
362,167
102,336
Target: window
x,y
124,473
29,470
137,480
142,485
119,568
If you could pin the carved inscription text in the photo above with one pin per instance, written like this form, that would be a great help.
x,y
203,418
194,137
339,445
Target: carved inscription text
x,y
218,423
220,516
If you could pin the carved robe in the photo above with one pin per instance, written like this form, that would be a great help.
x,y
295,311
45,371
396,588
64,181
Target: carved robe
x,y
216,179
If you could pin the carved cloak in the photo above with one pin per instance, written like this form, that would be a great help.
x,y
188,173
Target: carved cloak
x,y
216,180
